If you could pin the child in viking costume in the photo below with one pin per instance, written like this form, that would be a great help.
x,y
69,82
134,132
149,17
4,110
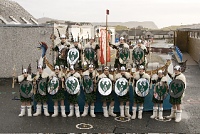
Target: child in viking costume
x,y
41,91
124,98
176,101
140,52
73,97
118,47
108,98
160,81
90,94
91,44
139,99
60,94
26,92
62,48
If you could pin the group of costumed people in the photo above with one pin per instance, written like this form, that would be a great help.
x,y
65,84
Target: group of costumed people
x,y
108,83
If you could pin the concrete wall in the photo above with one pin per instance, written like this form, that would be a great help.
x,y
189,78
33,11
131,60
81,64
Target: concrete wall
x,y
194,48
19,47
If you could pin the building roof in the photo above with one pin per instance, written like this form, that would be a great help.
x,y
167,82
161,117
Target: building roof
x,y
12,13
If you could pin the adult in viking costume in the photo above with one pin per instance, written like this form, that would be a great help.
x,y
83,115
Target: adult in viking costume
x,y
160,93
141,85
26,92
122,54
62,48
106,87
58,95
89,56
139,54
78,46
41,91
89,85
122,90
73,87
176,90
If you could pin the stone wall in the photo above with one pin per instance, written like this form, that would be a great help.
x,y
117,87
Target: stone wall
x,y
194,48
19,47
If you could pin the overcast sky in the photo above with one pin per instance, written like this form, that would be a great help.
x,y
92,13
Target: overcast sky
x,y
161,12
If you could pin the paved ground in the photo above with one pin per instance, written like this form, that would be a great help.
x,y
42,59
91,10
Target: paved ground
x,y
10,108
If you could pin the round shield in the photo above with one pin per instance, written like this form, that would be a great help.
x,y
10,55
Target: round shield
x,y
160,91
138,55
176,88
72,56
89,54
42,86
123,55
72,85
142,87
53,86
121,86
26,89
105,86
88,84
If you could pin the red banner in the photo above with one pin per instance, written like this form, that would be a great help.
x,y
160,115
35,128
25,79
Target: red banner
x,y
104,50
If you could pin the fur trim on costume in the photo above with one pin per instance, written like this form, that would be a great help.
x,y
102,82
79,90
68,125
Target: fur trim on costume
x,y
145,75
90,46
76,74
44,75
93,73
21,78
104,76
128,75
142,46
54,74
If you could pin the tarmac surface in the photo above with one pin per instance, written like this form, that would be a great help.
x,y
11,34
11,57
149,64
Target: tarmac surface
x,y
11,123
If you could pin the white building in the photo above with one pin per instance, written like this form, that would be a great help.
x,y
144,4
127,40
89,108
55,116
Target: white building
x,y
111,30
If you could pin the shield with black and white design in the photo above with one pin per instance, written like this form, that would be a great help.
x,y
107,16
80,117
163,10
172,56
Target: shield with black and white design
x,y
160,90
53,85
138,55
176,88
42,86
123,55
142,87
105,86
72,56
72,85
89,54
88,84
121,86
26,89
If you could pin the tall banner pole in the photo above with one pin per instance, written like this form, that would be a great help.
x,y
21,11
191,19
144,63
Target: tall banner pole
x,y
107,13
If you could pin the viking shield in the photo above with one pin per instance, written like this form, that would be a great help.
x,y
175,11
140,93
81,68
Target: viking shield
x,y
105,86
72,85
176,88
26,89
89,54
88,84
138,55
160,91
42,86
53,86
123,55
121,86
142,87
72,56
